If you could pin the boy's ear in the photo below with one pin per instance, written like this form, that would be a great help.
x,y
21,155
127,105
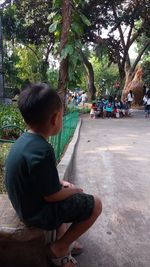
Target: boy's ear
x,y
53,119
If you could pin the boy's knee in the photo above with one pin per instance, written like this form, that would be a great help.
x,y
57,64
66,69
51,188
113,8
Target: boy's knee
x,y
98,205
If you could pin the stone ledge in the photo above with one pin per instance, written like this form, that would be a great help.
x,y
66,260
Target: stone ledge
x,y
65,165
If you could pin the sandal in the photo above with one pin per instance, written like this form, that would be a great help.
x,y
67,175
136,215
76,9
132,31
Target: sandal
x,y
63,260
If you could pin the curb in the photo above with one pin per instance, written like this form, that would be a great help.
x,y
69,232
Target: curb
x,y
65,165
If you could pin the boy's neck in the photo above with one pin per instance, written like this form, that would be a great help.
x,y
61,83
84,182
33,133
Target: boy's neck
x,y
36,131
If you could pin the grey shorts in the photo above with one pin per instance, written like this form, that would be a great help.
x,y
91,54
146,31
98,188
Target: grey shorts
x,y
73,209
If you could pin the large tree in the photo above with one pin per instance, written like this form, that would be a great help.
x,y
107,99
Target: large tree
x,y
124,22
25,22
70,44
64,64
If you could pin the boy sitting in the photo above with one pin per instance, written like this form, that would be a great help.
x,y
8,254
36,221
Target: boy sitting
x,y
36,193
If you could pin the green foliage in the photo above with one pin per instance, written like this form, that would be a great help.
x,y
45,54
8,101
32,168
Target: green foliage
x,y
146,68
124,21
11,74
29,63
85,20
57,3
81,109
105,77
53,27
67,51
84,110
25,24
4,148
28,21
25,63
52,75
70,109
72,49
10,115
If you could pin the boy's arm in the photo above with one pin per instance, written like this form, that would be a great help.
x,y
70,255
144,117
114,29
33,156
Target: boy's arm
x,y
63,194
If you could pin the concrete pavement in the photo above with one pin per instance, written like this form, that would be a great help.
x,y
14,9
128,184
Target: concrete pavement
x,y
112,160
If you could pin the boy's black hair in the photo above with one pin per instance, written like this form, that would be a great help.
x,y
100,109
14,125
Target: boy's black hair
x,y
38,102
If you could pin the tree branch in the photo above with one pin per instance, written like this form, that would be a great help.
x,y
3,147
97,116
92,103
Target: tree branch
x,y
32,51
118,26
147,44
124,46
126,58
97,39
138,33
48,51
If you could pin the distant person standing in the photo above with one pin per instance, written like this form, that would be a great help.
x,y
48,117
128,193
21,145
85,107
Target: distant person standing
x,y
147,90
130,97
145,104
83,98
148,104
92,111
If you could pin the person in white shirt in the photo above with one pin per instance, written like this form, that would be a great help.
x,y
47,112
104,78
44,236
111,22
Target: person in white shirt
x,y
148,107
130,97
83,98
145,104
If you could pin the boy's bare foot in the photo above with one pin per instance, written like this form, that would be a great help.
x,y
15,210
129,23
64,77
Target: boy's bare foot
x,y
76,248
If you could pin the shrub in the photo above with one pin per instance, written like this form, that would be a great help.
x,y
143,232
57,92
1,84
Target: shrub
x,y
81,109
84,110
10,115
4,148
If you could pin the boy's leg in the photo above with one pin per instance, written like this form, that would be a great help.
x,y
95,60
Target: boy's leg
x,y
61,246
61,230
77,247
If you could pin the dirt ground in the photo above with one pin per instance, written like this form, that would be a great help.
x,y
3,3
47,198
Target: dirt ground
x,y
112,160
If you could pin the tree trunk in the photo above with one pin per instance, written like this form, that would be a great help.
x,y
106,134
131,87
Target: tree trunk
x,y
91,86
134,83
128,78
90,76
63,70
63,78
44,68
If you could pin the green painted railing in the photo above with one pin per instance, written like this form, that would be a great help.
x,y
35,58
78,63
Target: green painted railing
x,y
58,142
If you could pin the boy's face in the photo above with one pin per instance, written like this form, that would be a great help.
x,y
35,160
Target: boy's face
x,y
57,122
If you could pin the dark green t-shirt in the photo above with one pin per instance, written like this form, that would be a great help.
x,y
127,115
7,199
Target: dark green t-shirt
x,y
31,174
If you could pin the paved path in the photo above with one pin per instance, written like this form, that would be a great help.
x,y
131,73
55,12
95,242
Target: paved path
x,y
112,160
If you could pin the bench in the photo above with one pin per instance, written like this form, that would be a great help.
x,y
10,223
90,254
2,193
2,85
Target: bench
x,y
20,246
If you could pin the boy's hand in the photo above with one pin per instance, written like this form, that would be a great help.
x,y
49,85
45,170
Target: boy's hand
x,y
79,190
67,184
64,193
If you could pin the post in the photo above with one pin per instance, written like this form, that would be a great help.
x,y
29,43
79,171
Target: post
x,y
1,64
